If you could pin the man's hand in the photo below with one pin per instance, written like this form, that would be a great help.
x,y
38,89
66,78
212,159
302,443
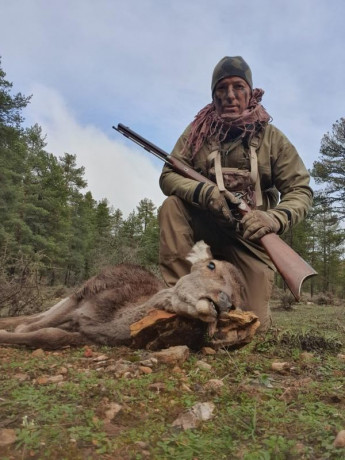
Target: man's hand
x,y
256,224
214,200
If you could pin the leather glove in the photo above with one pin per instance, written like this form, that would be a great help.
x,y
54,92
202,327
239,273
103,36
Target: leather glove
x,y
218,202
256,224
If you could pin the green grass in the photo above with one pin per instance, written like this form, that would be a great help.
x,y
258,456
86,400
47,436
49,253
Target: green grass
x,y
259,414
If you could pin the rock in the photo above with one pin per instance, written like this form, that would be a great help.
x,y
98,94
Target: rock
x,y
158,386
172,355
38,352
21,377
101,358
7,436
340,439
203,366
341,357
112,410
214,385
282,368
208,351
194,416
186,388
88,353
55,378
145,370
306,356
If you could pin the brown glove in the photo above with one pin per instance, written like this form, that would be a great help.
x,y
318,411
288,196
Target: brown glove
x,y
218,202
256,224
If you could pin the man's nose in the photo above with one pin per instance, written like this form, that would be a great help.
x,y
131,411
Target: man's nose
x,y
230,92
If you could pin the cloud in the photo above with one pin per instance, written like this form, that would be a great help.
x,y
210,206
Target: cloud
x,y
122,174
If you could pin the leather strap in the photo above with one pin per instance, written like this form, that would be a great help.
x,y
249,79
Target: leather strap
x,y
215,156
254,144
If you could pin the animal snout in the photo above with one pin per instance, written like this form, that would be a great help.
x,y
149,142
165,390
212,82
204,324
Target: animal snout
x,y
224,303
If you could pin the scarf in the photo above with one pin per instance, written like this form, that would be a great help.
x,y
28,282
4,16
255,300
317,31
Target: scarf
x,y
208,123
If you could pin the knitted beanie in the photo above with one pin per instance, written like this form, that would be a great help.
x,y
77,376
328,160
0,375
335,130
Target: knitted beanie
x,y
231,67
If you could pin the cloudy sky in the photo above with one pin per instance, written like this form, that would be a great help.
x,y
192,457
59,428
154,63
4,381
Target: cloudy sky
x,y
148,63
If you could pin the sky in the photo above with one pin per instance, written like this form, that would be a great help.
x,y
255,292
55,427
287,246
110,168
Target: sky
x,y
147,64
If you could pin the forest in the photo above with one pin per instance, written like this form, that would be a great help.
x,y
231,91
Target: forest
x,y
53,233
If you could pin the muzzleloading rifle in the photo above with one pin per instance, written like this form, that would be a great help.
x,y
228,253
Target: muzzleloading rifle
x,y
293,269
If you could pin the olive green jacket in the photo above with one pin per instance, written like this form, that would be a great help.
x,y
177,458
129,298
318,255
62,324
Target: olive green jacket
x,y
279,165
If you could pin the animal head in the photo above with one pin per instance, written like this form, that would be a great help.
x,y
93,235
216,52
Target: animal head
x,y
212,288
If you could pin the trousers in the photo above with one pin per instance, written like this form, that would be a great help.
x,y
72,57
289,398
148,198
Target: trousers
x,y
182,225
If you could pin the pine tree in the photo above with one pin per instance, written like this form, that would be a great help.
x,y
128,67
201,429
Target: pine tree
x,y
330,168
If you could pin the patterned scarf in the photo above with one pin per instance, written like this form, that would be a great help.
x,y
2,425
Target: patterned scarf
x,y
208,123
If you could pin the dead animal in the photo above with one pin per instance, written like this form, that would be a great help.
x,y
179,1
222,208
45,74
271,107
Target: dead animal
x,y
111,309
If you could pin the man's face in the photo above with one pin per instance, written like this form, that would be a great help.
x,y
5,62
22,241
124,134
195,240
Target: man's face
x,y
231,97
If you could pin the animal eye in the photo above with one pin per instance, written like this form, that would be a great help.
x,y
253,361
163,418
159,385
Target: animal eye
x,y
211,266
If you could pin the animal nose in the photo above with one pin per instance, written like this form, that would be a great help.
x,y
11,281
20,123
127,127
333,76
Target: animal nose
x,y
224,303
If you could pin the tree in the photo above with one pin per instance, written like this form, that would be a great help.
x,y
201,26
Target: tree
x,y
330,238
330,168
13,166
10,105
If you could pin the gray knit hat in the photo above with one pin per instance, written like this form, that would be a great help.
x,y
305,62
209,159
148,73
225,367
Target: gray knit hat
x,y
231,67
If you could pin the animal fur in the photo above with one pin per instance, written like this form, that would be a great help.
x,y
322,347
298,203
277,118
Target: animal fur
x,y
103,309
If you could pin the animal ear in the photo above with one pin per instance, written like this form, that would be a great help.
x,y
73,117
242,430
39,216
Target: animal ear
x,y
200,251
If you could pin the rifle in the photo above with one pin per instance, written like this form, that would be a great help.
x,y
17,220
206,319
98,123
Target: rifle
x,y
293,269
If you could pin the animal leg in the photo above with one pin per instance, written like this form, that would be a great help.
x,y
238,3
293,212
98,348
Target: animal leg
x,y
48,338
58,314
12,322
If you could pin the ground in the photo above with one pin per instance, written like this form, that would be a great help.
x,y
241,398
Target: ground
x,y
280,397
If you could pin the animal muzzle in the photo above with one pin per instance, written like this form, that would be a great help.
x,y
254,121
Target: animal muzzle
x,y
209,309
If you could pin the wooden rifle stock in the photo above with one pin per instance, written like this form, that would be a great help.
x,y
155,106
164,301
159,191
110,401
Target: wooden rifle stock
x,y
293,269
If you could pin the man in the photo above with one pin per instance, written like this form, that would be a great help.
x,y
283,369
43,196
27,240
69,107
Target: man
x,y
231,142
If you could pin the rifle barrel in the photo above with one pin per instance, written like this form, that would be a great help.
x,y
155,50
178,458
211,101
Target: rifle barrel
x,y
293,269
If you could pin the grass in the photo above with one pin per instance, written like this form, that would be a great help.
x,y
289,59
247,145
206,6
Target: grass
x,y
260,414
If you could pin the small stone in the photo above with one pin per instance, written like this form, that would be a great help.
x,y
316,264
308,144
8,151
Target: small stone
x,y
195,415
7,436
204,366
340,439
214,385
306,356
145,370
101,358
142,444
185,387
208,351
112,411
38,352
146,362
280,367
158,386
173,355
21,377
55,378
